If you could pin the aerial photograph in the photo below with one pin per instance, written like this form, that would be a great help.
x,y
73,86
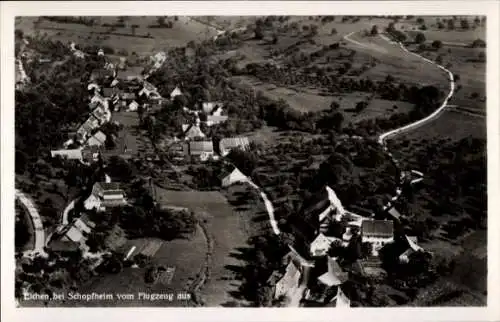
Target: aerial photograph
x,y
250,161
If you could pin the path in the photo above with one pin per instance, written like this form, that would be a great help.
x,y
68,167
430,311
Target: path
x,y
37,225
382,138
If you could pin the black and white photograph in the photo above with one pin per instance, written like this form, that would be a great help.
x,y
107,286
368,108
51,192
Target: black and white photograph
x,y
250,161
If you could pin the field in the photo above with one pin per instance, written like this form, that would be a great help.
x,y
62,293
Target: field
x,y
122,38
187,256
227,229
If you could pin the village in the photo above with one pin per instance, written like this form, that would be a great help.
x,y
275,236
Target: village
x,y
178,176
330,232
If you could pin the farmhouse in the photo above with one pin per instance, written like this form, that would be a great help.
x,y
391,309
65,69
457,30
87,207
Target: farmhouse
x,y
105,195
90,154
212,108
101,114
234,177
321,245
227,144
294,281
101,74
133,106
378,233
97,139
73,154
216,119
175,92
334,276
192,131
90,124
202,150
148,90
78,231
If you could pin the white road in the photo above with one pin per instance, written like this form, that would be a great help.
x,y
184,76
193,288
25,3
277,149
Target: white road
x,y
37,224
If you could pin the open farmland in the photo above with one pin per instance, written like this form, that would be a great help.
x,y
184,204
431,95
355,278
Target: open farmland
x,y
142,39
227,230
395,61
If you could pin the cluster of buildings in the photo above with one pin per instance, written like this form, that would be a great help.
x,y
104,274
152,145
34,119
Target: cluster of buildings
x,y
74,235
315,275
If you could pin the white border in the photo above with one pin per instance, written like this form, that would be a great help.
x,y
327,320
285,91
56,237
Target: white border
x,y
10,9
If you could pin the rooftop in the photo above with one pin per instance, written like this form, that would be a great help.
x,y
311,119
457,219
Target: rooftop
x,y
377,228
201,146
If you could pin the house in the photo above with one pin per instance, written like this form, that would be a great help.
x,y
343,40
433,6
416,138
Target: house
x,y
79,54
235,176
101,74
340,299
73,154
128,96
210,108
133,106
321,245
130,74
158,59
175,92
90,124
90,154
296,277
227,144
216,119
412,248
394,213
378,233
97,139
100,52
105,195
334,275
202,150
102,114
192,131
78,231
148,90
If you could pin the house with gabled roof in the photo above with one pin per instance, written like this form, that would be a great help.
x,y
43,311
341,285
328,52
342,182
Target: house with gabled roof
x,y
216,119
201,150
228,144
192,131
90,153
294,282
84,130
98,139
175,92
378,233
78,231
105,195
102,114
320,246
235,176
212,108
334,276
71,154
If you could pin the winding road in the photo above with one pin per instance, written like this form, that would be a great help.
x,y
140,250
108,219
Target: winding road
x,y
37,225
382,138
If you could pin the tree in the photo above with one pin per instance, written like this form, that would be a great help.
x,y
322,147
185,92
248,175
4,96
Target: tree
x,y
259,33
334,106
436,44
481,56
451,24
391,27
464,23
478,43
374,30
160,21
360,106
420,38
333,31
420,20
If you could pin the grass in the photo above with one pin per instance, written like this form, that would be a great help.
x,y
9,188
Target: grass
x,y
183,31
228,230
186,255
